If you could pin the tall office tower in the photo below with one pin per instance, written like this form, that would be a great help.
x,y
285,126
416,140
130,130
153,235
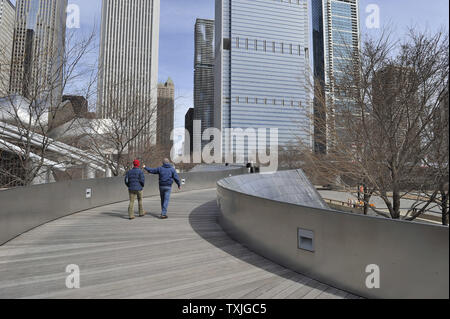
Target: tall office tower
x,y
38,50
336,41
7,13
204,74
393,87
128,70
165,114
262,69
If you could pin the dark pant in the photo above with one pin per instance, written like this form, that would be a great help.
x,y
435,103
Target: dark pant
x,y
164,192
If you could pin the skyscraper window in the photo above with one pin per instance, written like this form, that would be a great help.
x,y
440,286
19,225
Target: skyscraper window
x,y
263,77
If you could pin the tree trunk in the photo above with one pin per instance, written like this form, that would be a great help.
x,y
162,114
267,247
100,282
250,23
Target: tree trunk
x,y
29,173
396,203
367,197
395,193
444,206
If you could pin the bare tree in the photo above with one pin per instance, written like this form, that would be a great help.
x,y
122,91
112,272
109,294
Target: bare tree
x,y
129,126
124,132
28,112
437,159
377,125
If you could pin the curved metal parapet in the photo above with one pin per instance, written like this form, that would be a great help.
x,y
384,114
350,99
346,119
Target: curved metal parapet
x,y
214,168
285,186
368,256
24,208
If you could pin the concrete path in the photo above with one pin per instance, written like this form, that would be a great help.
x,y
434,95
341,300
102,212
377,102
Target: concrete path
x,y
186,256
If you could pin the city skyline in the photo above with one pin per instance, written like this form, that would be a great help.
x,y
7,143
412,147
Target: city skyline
x,y
177,38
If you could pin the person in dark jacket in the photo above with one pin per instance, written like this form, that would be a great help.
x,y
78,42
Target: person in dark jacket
x,y
167,175
135,181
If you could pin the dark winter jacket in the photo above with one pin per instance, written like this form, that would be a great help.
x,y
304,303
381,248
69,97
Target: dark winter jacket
x,y
167,175
135,179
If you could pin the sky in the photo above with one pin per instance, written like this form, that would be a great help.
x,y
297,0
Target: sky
x,y
176,43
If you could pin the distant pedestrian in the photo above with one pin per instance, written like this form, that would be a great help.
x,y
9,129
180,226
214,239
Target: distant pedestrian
x,y
167,175
135,181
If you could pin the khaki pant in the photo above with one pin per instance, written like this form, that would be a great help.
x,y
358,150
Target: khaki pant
x,y
133,195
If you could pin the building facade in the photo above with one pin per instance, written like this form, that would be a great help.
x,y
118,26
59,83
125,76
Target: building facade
x,y
204,74
128,68
262,69
38,50
7,15
336,44
166,113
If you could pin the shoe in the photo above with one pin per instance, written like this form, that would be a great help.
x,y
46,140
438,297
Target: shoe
x,y
145,213
163,217
131,218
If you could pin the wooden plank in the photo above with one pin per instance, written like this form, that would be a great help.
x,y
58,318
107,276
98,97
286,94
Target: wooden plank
x,y
186,256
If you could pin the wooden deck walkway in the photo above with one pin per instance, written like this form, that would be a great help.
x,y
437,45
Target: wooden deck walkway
x,y
186,256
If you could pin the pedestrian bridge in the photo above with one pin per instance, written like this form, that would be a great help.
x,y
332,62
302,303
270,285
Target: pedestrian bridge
x,y
246,236
185,256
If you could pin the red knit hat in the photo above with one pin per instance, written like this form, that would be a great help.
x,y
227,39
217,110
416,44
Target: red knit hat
x,y
136,163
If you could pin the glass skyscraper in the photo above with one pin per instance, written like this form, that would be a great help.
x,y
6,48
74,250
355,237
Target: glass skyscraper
x,y
38,49
7,14
336,43
262,67
204,74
